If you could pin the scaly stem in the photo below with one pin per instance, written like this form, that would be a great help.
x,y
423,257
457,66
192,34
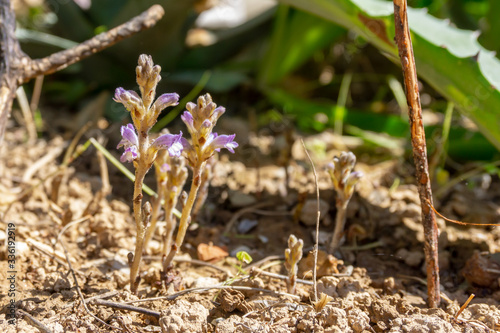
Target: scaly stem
x,y
154,215
140,173
339,225
170,203
186,214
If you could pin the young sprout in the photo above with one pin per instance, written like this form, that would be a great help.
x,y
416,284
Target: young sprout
x,y
293,254
140,149
344,180
200,120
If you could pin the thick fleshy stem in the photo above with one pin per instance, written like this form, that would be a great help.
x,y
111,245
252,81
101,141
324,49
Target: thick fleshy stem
x,y
339,225
155,214
185,216
140,172
206,176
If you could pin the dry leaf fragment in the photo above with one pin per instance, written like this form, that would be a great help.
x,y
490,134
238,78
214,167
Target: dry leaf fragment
x,y
210,252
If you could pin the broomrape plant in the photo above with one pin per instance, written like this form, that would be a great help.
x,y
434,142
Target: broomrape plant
x,y
293,254
344,180
200,120
165,152
140,149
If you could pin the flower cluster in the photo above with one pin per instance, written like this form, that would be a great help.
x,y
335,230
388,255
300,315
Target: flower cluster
x,y
200,120
343,178
143,151
130,142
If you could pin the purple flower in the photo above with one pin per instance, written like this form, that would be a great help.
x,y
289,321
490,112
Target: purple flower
x,y
188,119
129,142
129,137
216,142
170,142
129,155
166,100
218,112
129,98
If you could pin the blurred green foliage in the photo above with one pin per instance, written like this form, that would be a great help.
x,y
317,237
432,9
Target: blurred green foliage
x,y
290,59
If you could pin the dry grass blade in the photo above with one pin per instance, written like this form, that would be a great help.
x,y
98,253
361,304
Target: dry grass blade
x,y
316,241
32,321
465,305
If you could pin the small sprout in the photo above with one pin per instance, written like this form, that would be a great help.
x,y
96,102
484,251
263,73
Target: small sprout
x,y
244,257
344,181
324,299
293,254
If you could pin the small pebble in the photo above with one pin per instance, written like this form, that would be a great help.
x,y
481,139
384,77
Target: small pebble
x,y
246,225
263,239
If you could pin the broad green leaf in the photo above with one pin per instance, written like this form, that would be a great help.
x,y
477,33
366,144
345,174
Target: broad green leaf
x,y
462,143
296,36
451,60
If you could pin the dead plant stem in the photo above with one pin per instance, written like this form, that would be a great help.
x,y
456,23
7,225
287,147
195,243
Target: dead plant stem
x,y
403,41
316,241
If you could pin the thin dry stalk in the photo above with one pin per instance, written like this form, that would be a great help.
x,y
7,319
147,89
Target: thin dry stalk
x,y
316,241
465,305
37,91
27,115
32,321
403,40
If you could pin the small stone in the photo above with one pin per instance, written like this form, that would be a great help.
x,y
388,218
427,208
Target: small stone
x,y
246,225
240,199
323,238
183,316
308,212
203,282
263,239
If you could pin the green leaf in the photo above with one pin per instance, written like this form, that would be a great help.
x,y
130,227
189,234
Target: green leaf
x,y
451,60
244,257
297,35
463,144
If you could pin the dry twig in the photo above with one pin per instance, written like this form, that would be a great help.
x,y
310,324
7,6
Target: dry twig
x,y
32,321
403,40
16,68
316,242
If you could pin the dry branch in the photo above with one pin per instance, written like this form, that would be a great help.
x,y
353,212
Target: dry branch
x,y
403,40
17,68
